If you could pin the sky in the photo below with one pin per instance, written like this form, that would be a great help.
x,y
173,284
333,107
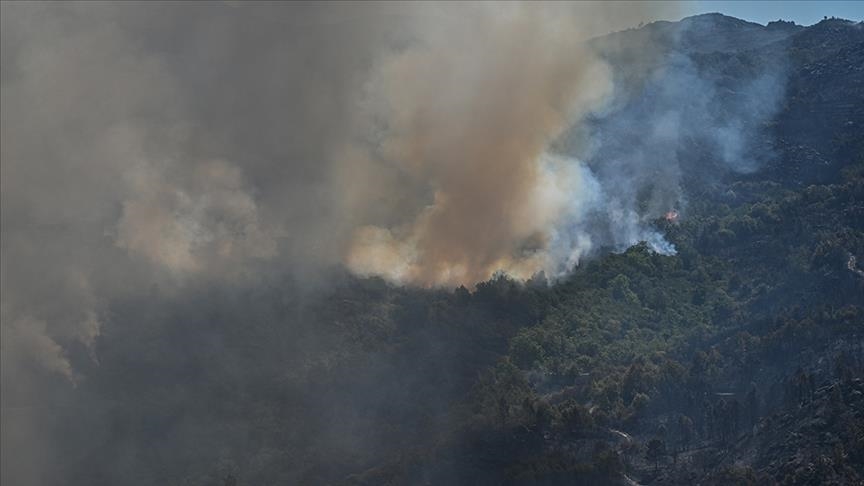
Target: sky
x,y
801,12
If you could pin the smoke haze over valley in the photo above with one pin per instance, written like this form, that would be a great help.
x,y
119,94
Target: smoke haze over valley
x,y
401,243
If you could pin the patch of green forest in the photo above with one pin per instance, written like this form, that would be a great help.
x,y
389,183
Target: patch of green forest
x,y
687,355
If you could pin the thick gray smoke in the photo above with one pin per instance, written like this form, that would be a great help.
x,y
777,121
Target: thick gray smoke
x,y
154,144
150,147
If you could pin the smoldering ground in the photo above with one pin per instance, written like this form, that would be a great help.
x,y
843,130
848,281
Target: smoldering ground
x,y
163,160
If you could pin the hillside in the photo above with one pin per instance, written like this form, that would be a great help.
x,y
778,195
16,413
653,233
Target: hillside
x,y
738,359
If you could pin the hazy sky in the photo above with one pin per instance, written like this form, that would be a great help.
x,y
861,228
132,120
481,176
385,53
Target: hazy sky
x,y
801,12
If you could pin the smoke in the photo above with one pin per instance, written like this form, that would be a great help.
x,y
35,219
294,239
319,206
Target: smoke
x,y
473,119
212,218
677,117
153,145
468,113
150,149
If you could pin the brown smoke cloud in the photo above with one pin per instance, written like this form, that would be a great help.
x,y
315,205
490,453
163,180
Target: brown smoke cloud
x,y
469,111
149,144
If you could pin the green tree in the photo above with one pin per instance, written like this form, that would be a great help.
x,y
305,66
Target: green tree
x,y
620,287
655,451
